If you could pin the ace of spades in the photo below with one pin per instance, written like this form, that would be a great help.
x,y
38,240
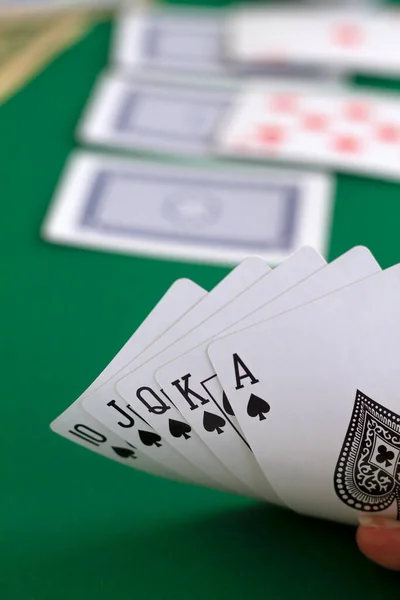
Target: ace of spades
x,y
324,455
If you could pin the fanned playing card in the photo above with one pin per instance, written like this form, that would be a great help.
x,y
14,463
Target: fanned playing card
x,y
134,388
329,373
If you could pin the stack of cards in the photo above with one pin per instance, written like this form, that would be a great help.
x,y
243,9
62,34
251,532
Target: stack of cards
x,y
182,86
280,385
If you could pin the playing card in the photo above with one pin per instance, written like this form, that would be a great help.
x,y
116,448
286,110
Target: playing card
x,y
171,309
264,300
167,39
354,265
350,40
187,41
214,213
78,426
155,116
193,388
287,287
297,280
319,387
348,131
238,458
152,404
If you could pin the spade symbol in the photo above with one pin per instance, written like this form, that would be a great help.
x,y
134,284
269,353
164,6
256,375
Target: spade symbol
x,y
148,438
257,407
179,429
124,452
227,405
213,422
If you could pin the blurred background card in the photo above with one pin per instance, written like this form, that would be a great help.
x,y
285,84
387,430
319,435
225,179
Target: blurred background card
x,y
218,214
189,41
177,117
350,40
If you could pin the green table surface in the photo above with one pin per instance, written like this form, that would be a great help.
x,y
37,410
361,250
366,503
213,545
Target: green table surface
x,y
73,525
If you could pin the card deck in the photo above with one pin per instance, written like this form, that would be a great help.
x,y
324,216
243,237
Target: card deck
x,y
219,214
348,131
280,385
316,391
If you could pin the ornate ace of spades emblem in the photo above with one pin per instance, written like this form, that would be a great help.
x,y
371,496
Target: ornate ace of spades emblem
x,y
367,474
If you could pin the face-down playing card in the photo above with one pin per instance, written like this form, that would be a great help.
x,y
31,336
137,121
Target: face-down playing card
x,y
190,41
190,380
217,214
155,116
169,40
153,405
329,372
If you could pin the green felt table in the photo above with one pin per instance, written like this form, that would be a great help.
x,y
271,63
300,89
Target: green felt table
x,y
75,526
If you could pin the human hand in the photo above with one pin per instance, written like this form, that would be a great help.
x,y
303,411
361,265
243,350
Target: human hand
x,y
379,540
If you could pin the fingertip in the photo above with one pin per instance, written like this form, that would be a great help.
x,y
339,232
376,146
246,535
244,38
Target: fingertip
x,y
379,540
